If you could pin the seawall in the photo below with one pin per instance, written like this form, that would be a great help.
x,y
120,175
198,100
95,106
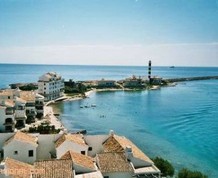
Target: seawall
x,y
191,78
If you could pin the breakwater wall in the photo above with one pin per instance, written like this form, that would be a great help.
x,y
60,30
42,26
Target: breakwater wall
x,y
191,79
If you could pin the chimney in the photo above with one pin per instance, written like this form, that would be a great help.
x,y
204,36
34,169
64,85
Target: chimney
x,y
128,152
111,133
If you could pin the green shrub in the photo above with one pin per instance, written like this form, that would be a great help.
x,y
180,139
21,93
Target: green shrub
x,y
165,167
186,173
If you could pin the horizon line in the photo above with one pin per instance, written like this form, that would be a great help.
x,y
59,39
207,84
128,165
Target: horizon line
x,y
115,65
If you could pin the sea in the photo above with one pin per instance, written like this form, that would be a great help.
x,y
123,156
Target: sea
x,y
177,123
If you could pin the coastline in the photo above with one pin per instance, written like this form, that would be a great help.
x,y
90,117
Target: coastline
x,y
49,110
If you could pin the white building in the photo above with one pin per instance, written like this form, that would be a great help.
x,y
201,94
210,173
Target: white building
x,y
51,86
18,108
21,147
106,83
71,141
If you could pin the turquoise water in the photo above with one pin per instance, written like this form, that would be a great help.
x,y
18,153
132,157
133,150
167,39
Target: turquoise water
x,y
178,123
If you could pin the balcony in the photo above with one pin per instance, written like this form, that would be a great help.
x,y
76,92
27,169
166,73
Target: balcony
x,y
9,128
30,113
9,122
30,104
9,112
39,107
39,103
20,108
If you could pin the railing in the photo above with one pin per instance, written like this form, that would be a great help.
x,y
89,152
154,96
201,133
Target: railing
x,y
9,112
39,103
9,123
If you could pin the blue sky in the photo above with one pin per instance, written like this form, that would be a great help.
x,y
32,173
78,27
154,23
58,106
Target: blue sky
x,y
109,32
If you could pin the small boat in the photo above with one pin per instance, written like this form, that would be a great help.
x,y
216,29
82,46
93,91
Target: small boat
x,y
93,105
81,132
155,87
172,67
81,106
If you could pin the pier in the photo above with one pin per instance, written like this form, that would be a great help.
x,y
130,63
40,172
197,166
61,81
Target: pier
x,y
191,79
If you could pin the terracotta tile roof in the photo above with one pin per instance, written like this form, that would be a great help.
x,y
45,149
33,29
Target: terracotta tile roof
x,y
76,138
27,95
9,103
7,92
12,164
118,144
20,100
113,162
23,137
54,169
79,159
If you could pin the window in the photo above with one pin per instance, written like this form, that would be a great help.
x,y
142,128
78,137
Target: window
x,y
30,153
106,176
90,149
9,97
15,152
83,152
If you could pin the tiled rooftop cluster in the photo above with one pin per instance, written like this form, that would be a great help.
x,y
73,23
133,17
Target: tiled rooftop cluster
x,y
79,156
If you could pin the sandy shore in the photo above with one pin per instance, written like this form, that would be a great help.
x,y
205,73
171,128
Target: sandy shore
x,y
49,114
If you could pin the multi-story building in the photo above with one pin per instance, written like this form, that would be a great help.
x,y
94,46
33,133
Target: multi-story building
x,y
18,108
7,114
51,86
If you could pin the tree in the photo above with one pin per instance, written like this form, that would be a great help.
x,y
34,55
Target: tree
x,y
186,173
165,167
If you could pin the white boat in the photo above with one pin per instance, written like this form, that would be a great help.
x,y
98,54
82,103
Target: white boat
x,y
155,87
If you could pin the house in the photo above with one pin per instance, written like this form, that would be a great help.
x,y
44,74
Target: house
x,y
21,147
40,169
156,80
17,169
51,86
106,83
114,165
71,141
81,163
141,164
133,82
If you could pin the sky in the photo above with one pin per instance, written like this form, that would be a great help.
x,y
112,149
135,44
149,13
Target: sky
x,y
109,32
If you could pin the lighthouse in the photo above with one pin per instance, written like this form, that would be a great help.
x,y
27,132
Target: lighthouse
x,y
149,71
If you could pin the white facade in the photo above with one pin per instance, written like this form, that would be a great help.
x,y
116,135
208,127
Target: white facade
x,y
95,143
46,147
18,107
118,174
7,121
20,151
51,86
69,145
